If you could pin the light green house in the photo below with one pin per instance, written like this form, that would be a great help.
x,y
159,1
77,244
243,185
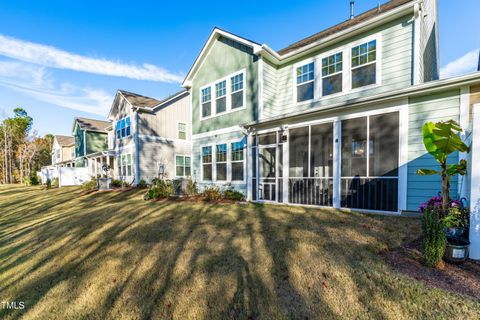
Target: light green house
x,y
332,120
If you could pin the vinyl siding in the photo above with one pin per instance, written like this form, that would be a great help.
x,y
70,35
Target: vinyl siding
x,y
124,109
396,70
438,107
163,123
224,58
153,152
79,141
198,143
428,65
96,142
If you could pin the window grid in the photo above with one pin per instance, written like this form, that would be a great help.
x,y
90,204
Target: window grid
x,y
206,94
237,152
183,166
332,65
237,82
207,155
182,131
221,154
364,54
305,73
221,89
123,127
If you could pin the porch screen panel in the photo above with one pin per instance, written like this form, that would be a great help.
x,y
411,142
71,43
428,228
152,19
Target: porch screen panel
x,y
298,153
370,150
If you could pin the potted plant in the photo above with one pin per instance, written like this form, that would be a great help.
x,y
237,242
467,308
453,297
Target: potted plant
x,y
441,139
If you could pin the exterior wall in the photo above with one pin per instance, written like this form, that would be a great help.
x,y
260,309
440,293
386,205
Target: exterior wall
x,y
79,143
124,109
199,142
224,58
67,153
437,107
154,151
396,70
96,142
163,123
428,42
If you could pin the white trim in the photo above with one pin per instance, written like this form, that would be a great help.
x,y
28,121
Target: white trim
x,y
226,130
337,163
179,94
474,233
229,92
403,158
136,155
260,87
149,138
286,166
466,126
417,19
314,80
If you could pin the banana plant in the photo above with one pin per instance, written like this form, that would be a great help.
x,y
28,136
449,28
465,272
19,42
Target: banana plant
x,y
441,139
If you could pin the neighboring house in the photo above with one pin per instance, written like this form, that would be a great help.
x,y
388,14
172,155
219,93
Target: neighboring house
x,y
91,146
150,137
63,151
332,120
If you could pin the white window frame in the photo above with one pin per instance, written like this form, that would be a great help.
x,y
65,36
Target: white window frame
x,y
229,92
333,74
184,165
221,162
346,70
211,163
222,96
178,130
116,129
315,82
377,62
236,161
122,168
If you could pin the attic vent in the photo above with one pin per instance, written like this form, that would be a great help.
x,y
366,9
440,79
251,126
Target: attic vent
x,y
352,5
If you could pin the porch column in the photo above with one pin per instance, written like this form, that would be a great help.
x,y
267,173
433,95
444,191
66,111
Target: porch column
x,y
337,135
101,166
249,165
475,186
286,166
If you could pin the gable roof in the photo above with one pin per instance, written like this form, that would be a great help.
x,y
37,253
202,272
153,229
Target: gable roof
x,y
91,124
65,141
214,35
137,100
344,25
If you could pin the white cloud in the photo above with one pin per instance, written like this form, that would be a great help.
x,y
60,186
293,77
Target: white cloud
x,y
56,58
465,64
35,82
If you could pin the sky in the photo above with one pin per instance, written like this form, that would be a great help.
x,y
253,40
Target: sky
x,y
66,59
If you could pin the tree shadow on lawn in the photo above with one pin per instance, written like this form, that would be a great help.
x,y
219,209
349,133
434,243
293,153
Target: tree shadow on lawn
x,y
115,256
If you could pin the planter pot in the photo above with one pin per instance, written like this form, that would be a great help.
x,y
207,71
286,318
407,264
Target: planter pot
x,y
457,250
455,232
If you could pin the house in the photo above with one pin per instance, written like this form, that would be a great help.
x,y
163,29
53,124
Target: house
x,y
332,120
150,138
91,146
63,151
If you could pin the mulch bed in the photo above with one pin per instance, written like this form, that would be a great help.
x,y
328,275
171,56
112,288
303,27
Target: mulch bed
x,y
197,199
459,278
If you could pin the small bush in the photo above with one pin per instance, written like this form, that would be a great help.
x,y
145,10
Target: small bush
x,y
434,239
90,185
191,188
55,183
115,183
125,184
234,195
142,184
161,189
48,184
31,180
212,194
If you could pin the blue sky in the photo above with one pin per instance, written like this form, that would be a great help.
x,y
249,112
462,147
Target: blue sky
x,y
61,59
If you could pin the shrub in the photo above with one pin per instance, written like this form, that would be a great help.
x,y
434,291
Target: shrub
x,y
212,193
234,195
31,180
115,183
435,203
125,184
161,189
55,183
48,184
142,184
191,188
434,238
90,185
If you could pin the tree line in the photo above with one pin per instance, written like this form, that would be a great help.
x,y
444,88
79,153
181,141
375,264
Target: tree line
x,y
22,151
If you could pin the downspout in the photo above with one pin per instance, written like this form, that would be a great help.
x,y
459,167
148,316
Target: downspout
x,y
137,158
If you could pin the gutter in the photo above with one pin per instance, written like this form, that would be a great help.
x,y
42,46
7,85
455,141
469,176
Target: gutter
x,y
421,89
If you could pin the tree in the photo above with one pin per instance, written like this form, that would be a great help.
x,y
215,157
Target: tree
x,y
441,139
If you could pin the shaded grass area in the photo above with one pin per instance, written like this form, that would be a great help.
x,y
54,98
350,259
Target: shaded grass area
x,y
115,256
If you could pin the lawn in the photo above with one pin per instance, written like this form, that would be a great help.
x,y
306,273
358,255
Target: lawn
x,y
67,255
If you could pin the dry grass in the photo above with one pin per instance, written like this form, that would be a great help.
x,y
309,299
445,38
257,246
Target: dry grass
x,y
113,255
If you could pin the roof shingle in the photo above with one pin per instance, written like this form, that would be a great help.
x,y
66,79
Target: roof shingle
x,y
92,124
138,100
65,141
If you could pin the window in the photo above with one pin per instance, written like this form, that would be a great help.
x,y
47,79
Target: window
x,y
221,96
207,163
364,66
221,162
237,91
332,74
206,102
124,163
305,82
182,131
123,128
237,151
182,166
